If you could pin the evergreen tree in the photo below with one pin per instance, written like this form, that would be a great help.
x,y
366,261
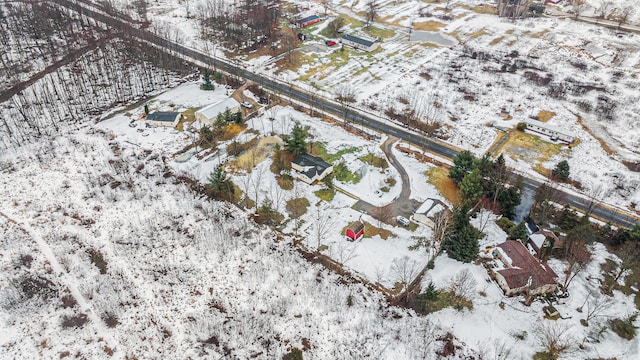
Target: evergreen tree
x,y
220,186
220,121
146,109
508,199
218,179
484,164
561,171
461,239
237,117
207,81
227,115
463,163
471,187
296,143
519,232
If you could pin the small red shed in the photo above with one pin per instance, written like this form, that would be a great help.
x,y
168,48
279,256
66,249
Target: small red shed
x,y
355,231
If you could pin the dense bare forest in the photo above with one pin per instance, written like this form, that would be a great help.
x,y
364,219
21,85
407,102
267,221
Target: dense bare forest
x,y
61,67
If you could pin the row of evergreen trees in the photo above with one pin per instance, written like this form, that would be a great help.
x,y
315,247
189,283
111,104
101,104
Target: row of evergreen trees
x,y
479,180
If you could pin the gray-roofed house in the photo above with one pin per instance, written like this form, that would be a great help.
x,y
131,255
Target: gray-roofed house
x,y
359,41
163,118
208,114
426,213
310,169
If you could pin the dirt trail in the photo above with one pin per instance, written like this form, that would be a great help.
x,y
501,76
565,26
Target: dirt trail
x,y
67,59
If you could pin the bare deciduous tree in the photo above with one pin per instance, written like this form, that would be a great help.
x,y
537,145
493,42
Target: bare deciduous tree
x,y
404,270
554,337
605,9
578,258
629,254
323,223
383,214
463,285
372,12
546,195
596,305
622,15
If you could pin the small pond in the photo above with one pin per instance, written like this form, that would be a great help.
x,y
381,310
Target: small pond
x,y
432,37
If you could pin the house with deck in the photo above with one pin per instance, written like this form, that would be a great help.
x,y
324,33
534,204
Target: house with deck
x,y
208,114
310,169
518,272
543,243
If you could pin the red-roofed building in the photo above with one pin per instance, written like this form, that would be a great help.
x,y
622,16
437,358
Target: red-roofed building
x,y
522,272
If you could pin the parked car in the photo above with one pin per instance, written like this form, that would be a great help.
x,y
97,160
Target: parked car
x,y
403,221
330,42
246,104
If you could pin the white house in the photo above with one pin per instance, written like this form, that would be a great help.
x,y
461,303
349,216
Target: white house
x,y
426,212
163,118
360,41
553,133
208,114
310,169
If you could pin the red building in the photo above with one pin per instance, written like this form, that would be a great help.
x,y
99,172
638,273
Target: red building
x,y
355,231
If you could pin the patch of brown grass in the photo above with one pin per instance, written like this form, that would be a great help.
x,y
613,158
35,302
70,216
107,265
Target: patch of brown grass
x,y
603,144
257,153
496,40
371,231
545,115
430,25
532,149
439,177
188,116
477,34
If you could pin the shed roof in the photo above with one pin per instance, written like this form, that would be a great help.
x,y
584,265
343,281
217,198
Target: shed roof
x,y
356,227
164,116
360,40
307,19
211,111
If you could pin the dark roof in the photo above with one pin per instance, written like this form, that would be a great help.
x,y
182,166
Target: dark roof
x,y
356,227
307,19
163,116
524,266
358,40
313,165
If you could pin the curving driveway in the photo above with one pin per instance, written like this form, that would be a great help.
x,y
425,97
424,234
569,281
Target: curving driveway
x,y
401,205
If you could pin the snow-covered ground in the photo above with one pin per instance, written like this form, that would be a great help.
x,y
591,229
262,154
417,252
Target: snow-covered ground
x,y
470,93
93,223
181,271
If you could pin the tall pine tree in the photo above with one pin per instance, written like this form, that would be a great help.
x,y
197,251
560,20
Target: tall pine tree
x,y
296,143
461,240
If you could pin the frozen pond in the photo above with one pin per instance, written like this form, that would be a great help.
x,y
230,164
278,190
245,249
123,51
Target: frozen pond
x,y
432,37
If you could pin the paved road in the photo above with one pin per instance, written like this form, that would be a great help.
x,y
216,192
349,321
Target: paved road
x,y
608,213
